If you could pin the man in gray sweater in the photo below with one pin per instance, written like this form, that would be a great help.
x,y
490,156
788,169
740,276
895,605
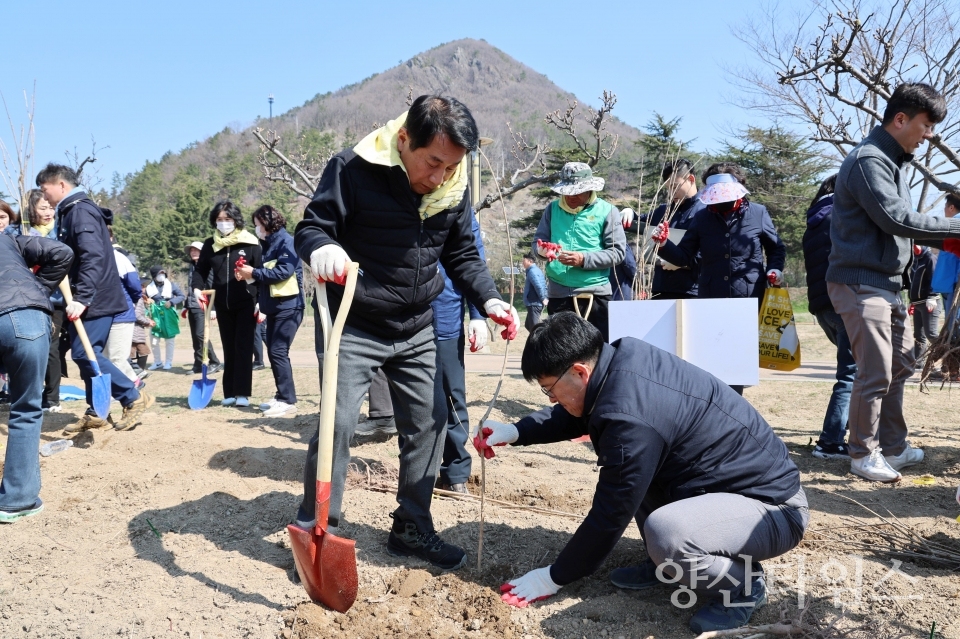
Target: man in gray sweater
x,y
873,229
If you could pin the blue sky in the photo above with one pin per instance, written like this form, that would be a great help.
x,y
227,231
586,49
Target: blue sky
x,y
145,78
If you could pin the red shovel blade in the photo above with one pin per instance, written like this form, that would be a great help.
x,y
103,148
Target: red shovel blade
x,y
327,566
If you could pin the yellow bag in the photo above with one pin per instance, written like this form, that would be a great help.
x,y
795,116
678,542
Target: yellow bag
x,y
779,342
287,287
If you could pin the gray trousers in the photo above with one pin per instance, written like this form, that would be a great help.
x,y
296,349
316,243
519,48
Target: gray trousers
x,y
419,410
882,347
925,325
705,542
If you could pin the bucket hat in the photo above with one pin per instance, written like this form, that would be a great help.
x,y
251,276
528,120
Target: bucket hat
x,y
722,187
577,178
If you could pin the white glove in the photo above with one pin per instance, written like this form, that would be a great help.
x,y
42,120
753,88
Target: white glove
x,y
931,304
775,277
328,262
213,316
478,334
667,266
626,217
74,310
533,586
505,315
199,296
500,433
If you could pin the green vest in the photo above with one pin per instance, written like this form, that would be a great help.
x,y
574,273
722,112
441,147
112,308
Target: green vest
x,y
582,232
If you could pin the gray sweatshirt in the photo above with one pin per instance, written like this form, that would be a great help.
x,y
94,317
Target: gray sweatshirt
x,y
873,222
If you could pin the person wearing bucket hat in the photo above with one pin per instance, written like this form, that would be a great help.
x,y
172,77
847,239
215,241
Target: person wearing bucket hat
x,y
590,235
734,237
195,316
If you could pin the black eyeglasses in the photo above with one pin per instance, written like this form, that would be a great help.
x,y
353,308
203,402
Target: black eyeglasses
x,y
549,391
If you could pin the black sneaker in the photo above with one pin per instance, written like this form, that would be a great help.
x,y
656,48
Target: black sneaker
x,y
717,615
374,430
636,577
831,450
405,540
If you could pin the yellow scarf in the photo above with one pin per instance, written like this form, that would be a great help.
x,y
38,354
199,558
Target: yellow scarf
x,y
239,236
44,229
380,147
563,204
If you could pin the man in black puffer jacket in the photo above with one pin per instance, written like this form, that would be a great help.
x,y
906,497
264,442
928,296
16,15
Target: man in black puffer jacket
x,y
97,291
816,251
398,204
25,311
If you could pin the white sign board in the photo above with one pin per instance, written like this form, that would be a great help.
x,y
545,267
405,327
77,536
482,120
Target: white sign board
x,y
719,335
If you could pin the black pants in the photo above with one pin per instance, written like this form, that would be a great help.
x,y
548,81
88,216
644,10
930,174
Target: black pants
x,y
259,337
195,319
51,381
237,326
533,317
599,316
281,329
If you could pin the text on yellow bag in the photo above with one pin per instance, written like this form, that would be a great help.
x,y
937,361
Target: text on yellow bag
x,y
779,342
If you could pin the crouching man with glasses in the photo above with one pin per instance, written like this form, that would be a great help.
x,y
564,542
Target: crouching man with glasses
x,y
711,487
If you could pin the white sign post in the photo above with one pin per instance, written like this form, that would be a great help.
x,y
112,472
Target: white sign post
x,y
718,335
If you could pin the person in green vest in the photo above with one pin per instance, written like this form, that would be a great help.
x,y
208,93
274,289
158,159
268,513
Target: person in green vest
x,y
591,242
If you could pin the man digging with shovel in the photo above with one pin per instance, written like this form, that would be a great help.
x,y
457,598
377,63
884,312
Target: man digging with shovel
x,y
711,487
397,204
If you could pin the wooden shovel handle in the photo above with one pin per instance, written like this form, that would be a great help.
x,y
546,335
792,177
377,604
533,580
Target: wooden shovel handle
x,y
78,323
211,295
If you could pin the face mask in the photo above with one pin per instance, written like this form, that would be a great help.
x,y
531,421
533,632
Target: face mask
x,y
161,278
261,233
226,228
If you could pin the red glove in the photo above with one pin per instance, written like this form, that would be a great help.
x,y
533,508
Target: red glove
x,y
203,300
548,250
183,313
661,233
917,250
910,309
511,330
953,246
480,443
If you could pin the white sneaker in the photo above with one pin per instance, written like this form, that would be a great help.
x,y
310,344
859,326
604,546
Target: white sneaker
x,y
155,366
874,467
267,405
228,401
56,408
909,457
280,409
242,402
167,367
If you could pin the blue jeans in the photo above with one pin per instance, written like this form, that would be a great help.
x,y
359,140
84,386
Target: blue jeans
x,y
24,348
838,410
98,330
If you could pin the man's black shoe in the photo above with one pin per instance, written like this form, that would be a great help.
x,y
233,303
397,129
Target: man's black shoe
x,y
259,367
636,577
405,540
375,430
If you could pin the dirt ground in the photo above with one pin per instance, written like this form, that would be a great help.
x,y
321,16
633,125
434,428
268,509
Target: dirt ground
x,y
177,529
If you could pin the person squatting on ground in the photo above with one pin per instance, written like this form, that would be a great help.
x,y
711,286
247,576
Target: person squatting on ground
x,y
236,297
167,294
280,281
872,227
534,291
25,310
398,204
816,250
711,487
97,292
588,230
194,315
924,303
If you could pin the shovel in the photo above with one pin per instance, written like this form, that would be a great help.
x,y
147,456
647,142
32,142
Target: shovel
x,y
201,392
327,564
100,383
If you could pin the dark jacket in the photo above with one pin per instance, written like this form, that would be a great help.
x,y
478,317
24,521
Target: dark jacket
x,y
816,254
920,275
732,251
534,287
682,280
21,288
189,301
278,247
659,424
94,280
372,213
621,277
448,307
231,293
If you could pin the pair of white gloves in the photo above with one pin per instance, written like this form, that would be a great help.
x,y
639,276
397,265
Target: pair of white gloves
x,y
329,263
536,584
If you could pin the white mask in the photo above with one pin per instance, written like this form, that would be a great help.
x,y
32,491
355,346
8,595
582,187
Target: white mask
x,y
226,228
161,278
261,233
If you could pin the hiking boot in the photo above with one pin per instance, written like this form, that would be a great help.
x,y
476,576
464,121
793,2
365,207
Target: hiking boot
x,y
374,430
10,516
725,615
405,540
279,409
88,422
831,450
874,467
453,488
133,412
909,457
638,577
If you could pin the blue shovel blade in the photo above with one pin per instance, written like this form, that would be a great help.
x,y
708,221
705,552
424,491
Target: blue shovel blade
x,y
100,387
201,392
